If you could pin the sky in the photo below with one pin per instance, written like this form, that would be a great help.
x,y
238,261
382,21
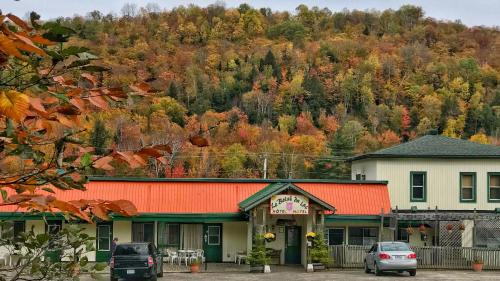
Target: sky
x,y
469,12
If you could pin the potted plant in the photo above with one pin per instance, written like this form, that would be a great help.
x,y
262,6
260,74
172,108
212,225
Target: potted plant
x,y
449,227
319,254
258,257
195,265
270,237
410,230
477,264
422,228
461,227
310,235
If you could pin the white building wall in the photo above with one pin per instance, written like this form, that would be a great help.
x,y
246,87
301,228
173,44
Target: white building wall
x,y
234,239
443,179
123,231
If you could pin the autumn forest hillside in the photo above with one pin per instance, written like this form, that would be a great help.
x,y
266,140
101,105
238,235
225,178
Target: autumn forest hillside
x,y
295,92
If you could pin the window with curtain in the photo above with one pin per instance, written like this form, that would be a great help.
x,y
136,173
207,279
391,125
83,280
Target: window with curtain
x,y
467,187
169,234
192,236
363,235
12,229
143,232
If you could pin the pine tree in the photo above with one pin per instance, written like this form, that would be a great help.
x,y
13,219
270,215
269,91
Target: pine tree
x,y
99,137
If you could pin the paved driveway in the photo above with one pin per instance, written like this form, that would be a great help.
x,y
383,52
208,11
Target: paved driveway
x,y
331,275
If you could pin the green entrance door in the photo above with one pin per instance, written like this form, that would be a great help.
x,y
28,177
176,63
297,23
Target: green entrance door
x,y
104,236
212,242
292,244
52,228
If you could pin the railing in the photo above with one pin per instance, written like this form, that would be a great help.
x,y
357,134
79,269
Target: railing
x,y
351,256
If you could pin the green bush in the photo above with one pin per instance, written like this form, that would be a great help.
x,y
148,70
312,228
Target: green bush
x,y
319,252
258,255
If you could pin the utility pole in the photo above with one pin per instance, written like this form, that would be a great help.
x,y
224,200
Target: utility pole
x,y
265,166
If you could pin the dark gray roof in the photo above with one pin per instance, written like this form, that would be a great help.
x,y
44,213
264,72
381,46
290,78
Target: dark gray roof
x,y
434,146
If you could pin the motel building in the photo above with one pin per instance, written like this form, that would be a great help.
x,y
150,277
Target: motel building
x,y
221,216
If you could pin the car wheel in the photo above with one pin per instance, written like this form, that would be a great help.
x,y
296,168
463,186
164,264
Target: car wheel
x,y
378,272
113,278
153,278
412,272
367,270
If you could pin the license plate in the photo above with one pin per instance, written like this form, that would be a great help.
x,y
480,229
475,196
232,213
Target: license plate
x,y
399,257
130,271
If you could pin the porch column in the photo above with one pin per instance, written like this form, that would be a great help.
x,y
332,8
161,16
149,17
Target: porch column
x,y
250,226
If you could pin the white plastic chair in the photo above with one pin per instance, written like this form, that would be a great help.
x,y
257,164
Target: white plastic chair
x,y
182,256
5,259
200,254
172,256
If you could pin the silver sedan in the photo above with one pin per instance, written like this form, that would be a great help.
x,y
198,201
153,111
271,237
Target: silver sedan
x,y
391,256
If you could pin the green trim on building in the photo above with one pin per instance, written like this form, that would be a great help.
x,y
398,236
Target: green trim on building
x,y
424,199
348,218
488,175
277,188
183,218
228,180
474,187
30,216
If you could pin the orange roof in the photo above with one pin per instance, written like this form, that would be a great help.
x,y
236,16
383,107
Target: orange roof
x,y
201,197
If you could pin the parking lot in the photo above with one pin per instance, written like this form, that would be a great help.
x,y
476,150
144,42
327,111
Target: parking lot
x,y
331,275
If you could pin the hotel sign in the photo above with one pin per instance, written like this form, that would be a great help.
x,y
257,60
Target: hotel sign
x,y
288,204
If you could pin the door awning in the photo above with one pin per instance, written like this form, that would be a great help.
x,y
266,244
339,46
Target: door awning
x,y
277,188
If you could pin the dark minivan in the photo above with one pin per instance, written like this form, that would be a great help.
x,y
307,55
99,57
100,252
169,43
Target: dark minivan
x,y
139,261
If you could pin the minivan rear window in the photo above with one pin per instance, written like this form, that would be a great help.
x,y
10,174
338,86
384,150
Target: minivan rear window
x,y
395,247
122,250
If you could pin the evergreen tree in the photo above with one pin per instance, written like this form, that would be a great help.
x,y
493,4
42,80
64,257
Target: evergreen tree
x,y
172,90
335,166
99,137
270,59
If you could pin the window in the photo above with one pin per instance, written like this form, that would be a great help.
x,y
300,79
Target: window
x,y
403,235
214,235
142,232
494,187
418,182
467,187
104,237
363,235
360,177
168,234
334,236
12,229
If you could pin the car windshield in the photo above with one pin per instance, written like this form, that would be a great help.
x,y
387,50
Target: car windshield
x,y
394,247
122,250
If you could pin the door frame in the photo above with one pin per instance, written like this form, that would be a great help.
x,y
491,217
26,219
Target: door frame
x,y
55,255
299,247
101,255
206,241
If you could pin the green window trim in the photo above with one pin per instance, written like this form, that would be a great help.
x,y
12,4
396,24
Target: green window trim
x,y
424,198
474,187
489,174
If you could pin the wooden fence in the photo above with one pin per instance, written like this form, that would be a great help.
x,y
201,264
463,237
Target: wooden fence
x,y
350,256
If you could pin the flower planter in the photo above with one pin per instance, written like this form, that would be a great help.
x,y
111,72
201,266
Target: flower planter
x,y
260,268
477,267
195,268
